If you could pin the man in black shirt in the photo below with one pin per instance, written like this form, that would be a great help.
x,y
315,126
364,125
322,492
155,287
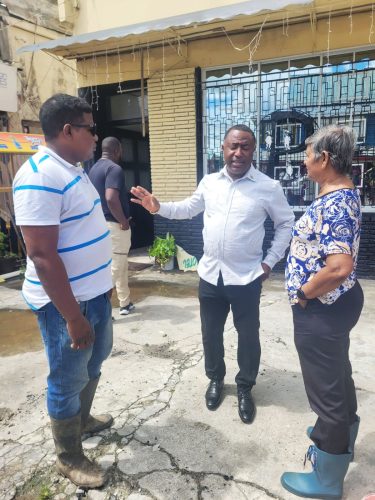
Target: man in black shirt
x,y
109,180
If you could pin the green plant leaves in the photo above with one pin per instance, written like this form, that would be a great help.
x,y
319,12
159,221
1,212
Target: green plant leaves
x,y
163,249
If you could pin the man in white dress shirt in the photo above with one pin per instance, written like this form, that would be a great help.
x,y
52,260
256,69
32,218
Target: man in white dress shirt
x,y
236,202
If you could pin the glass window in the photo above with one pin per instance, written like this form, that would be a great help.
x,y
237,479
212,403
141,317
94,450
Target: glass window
x,y
274,67
304,63
130,179
244,70
363,60
127,106
288,135
127,150
363,55
143,151
337,59
218,73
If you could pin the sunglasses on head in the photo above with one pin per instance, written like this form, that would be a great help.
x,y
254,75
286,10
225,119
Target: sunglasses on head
x,y
89,128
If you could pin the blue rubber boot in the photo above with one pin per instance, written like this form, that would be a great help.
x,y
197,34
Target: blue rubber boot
x,y
326,479
352,437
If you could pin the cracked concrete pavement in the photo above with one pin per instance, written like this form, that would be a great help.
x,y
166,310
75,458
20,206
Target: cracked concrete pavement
x,y
164,443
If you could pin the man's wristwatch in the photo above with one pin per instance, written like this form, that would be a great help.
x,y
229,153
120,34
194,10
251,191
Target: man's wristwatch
x,y
301,295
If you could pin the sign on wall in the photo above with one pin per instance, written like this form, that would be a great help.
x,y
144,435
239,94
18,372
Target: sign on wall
x,y
8,88
20,143
186,262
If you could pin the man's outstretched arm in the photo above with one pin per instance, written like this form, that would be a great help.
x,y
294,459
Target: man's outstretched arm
x,y
185,209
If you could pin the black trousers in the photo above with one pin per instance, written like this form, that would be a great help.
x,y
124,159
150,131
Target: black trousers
x,y
321,336
215,303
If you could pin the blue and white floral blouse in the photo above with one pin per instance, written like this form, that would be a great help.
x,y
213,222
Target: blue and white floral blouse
x,y
331,225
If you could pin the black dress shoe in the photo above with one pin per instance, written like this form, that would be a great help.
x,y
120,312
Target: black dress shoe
x,y
214,393
246,407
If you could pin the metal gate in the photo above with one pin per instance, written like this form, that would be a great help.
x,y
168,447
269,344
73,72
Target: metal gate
x,y
284,104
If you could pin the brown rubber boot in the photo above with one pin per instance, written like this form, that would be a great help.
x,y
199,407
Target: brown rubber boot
x,y
71,462
91,424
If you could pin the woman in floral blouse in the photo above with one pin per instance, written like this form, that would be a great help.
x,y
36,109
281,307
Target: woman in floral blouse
x,y
326,301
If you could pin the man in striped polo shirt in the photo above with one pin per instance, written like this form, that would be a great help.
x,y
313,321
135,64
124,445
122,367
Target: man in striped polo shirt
x,y
68,276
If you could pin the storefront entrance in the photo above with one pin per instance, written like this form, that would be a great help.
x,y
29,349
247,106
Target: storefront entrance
x,y
117,112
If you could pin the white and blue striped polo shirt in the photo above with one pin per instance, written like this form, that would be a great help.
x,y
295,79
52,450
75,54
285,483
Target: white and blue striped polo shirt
x,y
49,191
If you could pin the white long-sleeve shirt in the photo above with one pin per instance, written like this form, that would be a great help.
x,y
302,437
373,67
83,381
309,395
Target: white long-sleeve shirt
x,y
233,231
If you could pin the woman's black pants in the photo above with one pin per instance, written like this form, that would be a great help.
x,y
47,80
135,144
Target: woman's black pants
x,y
321,336
215,304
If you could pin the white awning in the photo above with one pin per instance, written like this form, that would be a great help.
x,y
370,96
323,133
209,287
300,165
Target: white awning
x,y
74,46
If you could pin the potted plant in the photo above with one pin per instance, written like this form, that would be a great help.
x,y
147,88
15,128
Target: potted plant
x,y
8,260
164,250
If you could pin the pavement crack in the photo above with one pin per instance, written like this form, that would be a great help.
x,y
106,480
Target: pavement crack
x,y
367,391
197,476
279,340
246,483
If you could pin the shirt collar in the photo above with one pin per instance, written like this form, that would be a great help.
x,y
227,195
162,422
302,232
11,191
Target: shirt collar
x,y
51,152
250,174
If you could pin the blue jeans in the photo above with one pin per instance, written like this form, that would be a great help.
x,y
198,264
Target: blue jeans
x,y
70,370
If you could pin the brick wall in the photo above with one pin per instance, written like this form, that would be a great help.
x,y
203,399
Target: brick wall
x,y
188,234
172,124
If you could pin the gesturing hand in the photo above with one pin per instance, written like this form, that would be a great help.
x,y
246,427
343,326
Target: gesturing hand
x,y
144,198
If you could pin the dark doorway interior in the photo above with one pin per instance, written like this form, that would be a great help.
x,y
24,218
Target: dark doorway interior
x,y
117,113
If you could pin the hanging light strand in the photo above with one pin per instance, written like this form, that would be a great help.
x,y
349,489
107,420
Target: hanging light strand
x,y
106,66
94,89
119,88
179,50
252,46
163,75
329,36
255,40
286,25
148,60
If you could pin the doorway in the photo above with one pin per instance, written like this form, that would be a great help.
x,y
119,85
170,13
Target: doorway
x,y
117,111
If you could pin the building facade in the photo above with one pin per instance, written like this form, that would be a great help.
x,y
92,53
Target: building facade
x,y
169,84
26,80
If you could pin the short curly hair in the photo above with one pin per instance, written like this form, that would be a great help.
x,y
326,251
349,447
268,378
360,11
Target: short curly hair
x,y
59,110
242,128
